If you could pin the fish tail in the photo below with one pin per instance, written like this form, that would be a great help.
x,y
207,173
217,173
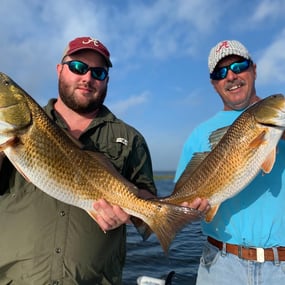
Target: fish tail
x,y
142,227
169,220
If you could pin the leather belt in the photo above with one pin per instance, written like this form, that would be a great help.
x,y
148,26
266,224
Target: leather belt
x,y
251,253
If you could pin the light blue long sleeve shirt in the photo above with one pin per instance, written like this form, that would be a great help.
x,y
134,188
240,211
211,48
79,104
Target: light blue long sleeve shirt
x,y
254,217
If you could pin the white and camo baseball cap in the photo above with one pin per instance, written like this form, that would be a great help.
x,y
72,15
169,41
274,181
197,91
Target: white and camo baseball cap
x,y
226,48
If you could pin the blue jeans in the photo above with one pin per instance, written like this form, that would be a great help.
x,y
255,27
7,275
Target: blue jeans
x,y
220,268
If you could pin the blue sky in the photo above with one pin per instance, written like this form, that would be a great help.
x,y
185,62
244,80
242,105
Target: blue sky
x,y
159,82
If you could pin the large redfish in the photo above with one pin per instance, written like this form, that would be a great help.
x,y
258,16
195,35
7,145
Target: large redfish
x,y
238,153
51,160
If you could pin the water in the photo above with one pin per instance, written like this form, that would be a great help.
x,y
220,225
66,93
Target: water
x,y
147,257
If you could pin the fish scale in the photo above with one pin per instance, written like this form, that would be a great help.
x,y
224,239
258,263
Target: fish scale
x,y
248,146
47,157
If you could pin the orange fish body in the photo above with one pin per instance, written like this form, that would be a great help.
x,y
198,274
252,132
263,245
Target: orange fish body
x,y
238,154
51,160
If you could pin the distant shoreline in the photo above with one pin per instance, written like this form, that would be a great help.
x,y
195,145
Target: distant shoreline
x,y
164,175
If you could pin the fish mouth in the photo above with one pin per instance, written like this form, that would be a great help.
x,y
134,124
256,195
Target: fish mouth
x,y
272,125
271,113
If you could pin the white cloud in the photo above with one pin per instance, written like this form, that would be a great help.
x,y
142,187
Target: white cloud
x,y
146,39
268,9
121,107
271,67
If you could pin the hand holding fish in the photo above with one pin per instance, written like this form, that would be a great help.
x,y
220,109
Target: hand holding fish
x,y
199,204
49,159
109,217
112,216
238,153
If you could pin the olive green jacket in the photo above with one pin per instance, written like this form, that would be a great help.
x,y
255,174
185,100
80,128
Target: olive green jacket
x,y
44,241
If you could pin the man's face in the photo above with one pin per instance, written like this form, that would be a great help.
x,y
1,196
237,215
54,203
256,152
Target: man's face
x,y
81,92
237,90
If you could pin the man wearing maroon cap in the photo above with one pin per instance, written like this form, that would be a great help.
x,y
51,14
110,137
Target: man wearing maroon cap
x,y
44,241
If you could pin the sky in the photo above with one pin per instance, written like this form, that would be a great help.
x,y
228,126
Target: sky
x,y
159,82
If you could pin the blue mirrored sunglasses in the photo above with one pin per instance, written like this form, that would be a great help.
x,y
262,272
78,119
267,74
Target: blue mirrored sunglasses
x,y
81,68
236,67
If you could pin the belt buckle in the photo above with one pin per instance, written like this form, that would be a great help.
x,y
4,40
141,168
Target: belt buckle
x,y
260,254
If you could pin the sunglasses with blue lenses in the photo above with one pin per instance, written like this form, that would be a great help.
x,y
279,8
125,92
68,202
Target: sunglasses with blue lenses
x,y
81,68
236,67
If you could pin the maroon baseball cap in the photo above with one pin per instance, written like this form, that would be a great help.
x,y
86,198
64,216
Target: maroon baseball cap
x,y
87,43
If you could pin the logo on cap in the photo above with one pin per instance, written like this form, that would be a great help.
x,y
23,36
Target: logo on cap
x,y
226,48
224,44
90,40
88,43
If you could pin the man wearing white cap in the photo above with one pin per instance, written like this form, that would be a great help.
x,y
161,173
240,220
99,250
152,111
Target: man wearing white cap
x,y
246,240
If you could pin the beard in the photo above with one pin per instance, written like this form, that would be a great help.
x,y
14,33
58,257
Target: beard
x,y
71,101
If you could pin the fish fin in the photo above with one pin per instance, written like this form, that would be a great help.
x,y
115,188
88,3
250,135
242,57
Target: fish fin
x,y
211,213
8,143
143,228
217,135
196,160
267,165
170,219
22,173
258,141
93,214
